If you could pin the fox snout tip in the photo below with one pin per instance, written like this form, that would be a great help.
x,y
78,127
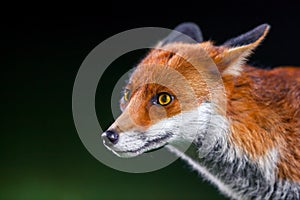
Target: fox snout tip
x,y
110,137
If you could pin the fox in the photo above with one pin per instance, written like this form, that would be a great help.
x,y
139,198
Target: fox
x,y
242,122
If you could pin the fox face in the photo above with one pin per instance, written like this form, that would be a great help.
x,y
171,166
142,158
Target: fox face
x,y
168,99
157,106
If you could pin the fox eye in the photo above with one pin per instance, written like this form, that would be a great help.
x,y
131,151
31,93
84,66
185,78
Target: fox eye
x,y
164,99
127,94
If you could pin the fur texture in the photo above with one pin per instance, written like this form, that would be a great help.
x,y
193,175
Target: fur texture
x,y
249,148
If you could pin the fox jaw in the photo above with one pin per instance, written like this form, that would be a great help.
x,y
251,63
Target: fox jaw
x,y
168,100
241,123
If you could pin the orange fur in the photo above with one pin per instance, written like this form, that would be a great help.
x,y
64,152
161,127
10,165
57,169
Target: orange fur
x,y
264,111
263,106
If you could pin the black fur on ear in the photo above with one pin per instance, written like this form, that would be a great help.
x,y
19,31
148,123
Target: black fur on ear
x,y
186,33
247,38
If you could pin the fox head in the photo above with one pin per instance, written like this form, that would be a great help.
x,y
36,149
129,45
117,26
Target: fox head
x,y
176,94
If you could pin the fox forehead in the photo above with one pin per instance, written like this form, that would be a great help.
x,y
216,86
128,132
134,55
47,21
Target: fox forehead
x,y
170,67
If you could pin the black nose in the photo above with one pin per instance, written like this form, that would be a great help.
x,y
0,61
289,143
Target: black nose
x,y
112,136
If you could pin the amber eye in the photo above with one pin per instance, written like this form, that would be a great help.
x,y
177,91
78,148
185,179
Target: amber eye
x,y
127,95
164,99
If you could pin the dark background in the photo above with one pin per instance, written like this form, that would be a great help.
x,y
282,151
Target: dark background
x,y
42,155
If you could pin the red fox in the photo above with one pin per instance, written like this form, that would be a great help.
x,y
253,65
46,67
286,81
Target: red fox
x,y
251,150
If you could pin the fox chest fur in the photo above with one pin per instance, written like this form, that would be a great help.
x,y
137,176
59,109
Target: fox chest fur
x,y
243,123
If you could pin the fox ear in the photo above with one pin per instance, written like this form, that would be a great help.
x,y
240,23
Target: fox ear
x,y
236,50
186,33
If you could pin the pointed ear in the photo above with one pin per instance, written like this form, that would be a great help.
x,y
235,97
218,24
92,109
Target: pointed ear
x,y
236,50
186,33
